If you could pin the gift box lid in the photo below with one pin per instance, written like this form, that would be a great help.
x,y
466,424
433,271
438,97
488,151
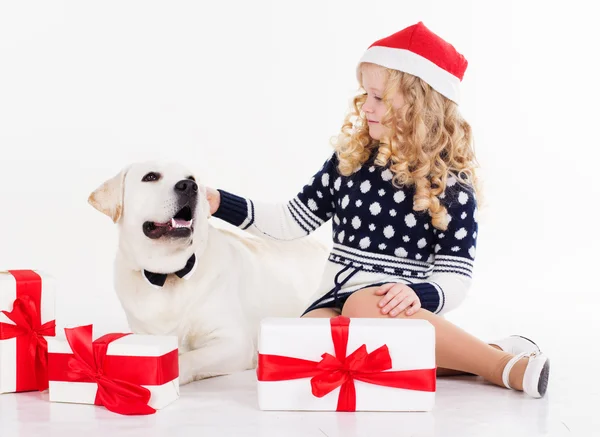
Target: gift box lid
x,y
411,342
130,345
46,294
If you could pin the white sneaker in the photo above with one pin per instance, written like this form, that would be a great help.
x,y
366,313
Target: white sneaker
x,y
516,344
535,380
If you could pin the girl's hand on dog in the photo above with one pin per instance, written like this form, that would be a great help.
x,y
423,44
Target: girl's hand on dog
x,y
214,199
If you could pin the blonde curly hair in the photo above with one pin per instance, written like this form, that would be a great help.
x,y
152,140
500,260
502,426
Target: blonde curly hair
x,y
429,141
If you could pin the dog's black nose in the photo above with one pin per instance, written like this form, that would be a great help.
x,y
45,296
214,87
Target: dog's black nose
x,y
186,186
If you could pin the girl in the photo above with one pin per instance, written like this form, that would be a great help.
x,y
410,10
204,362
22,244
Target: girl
x,y
402,191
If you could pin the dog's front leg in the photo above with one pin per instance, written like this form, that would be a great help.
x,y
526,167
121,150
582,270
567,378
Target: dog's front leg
x,y
218,357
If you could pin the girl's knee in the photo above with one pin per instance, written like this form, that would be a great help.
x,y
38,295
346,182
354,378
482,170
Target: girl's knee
x,y
352,306
363,303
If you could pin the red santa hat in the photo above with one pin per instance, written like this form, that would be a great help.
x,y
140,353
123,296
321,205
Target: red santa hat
x,y
422,53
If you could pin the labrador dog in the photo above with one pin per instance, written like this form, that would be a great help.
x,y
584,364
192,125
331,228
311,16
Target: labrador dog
x,y
175,273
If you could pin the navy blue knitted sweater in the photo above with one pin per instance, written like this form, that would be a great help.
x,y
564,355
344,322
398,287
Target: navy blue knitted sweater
x,y
375,228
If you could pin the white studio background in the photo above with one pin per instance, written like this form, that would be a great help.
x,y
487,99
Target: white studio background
x,y
248,94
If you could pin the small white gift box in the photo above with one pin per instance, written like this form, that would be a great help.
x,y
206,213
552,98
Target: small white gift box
x,y
27,300
127,373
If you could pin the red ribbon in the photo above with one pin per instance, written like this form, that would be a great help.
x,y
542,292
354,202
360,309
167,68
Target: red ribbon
x,y
32,348
341,370
119,378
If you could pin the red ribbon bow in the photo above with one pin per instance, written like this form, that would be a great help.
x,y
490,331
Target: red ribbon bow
x,y
87,365
332,372
32,347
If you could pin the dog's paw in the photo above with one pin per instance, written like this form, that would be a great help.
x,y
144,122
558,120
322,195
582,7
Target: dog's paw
x,y
200,376
186,379
189,370
186,370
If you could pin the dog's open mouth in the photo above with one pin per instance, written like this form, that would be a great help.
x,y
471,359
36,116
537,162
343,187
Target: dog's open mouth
x,y
180,226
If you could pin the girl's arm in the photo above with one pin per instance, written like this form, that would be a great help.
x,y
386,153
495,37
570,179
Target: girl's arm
x,y
296,218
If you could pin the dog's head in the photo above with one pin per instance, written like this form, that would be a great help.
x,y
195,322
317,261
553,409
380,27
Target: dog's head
x,y
161,210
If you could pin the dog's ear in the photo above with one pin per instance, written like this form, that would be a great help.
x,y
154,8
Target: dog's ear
x,y
108,197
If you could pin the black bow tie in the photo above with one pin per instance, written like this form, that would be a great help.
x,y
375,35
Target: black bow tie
x,y
159,279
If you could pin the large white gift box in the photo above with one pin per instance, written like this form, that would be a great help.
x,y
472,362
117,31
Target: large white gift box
x,y
127,373
343,364
27,300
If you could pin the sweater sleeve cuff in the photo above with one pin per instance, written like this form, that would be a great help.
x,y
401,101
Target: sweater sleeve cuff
x,y
232,209
431,296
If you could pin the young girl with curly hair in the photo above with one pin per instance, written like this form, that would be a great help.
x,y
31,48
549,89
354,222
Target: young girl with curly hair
x,y
402,191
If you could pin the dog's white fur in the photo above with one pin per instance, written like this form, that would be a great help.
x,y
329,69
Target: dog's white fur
x,y
239,279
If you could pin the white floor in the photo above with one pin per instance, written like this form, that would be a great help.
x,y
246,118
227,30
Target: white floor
x,y
226,406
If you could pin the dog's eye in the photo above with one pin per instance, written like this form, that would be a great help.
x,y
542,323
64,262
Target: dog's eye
x,y
151,177
192,178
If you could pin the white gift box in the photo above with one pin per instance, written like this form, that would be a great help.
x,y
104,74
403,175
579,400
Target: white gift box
x,y
152,347
411,345
9,291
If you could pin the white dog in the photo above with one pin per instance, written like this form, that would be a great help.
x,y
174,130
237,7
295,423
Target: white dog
x,y
176,274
